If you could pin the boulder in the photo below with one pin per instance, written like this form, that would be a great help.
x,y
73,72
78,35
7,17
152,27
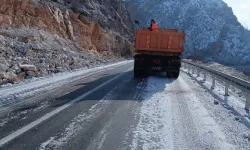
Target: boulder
x,y
11,70
3,67
76,65
60,69
26,40
30,74
12,77
3,75
35,45
3,61
42,60
18,70
21,77
51,70
43,71
3,81
27,67
15,67
37,73
2,38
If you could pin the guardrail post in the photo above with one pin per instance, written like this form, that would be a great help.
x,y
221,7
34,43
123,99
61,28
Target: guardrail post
x,y
188,68
205,76
247,106
226,89
192,70
213,82
198,72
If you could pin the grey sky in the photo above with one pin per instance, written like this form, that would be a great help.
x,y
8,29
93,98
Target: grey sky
x,y
241,9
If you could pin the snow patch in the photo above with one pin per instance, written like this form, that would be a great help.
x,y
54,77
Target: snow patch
x,y
204,123
77,125
236,99
154,130
44,145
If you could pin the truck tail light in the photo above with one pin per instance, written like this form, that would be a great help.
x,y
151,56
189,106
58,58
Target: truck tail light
x,y
139,59
157,61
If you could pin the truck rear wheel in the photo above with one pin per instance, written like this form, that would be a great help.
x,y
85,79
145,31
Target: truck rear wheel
x,y
140,73
172,74
176,75
136,73
169,74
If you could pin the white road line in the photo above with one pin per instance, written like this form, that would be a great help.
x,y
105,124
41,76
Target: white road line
x,y
49,115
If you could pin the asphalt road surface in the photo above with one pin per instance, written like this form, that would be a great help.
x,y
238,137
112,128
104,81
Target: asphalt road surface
x,y
111,110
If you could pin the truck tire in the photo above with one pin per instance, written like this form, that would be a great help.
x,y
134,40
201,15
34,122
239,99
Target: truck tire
x,y
169,74
137,73
176,75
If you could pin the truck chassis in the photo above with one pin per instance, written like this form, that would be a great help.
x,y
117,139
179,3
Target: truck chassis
x,y
144,64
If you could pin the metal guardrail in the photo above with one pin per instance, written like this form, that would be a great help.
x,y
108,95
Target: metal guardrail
x,y
216,75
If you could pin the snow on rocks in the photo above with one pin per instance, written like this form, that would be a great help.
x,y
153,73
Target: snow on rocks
x,y
27,67
246,136
40,53
3,67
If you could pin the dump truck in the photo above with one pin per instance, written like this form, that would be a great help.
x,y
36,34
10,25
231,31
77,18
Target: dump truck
x,y
158,51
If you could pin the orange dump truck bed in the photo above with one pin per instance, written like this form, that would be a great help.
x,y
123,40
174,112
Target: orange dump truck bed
x,y
165,40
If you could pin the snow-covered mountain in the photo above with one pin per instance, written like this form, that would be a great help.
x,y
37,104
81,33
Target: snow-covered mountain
x,y
213,31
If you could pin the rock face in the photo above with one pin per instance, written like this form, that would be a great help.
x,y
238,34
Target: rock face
x,y
39,37
109,14
213,32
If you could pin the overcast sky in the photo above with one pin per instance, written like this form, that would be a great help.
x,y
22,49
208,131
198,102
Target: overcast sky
x,y
241,9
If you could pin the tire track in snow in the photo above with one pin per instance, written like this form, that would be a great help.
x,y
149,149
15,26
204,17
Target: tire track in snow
x,y
208,134
79,124
172,117
154,130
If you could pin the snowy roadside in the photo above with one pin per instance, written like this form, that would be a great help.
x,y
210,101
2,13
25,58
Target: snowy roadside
x,y
13,94
235,102
230,70
173,117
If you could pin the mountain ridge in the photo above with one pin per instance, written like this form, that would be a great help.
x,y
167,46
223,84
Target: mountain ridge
x,y
213,31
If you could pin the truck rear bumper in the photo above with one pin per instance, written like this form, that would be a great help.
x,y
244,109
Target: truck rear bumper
x,y
158,69
157,63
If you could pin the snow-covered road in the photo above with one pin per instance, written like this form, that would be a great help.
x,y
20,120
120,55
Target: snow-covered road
x,y
138,114
173,117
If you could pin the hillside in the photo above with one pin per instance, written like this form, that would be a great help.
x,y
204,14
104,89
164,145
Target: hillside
x,y
213,31
40,37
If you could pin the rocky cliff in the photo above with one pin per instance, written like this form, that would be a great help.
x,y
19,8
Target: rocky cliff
x,y
213,31
39,37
